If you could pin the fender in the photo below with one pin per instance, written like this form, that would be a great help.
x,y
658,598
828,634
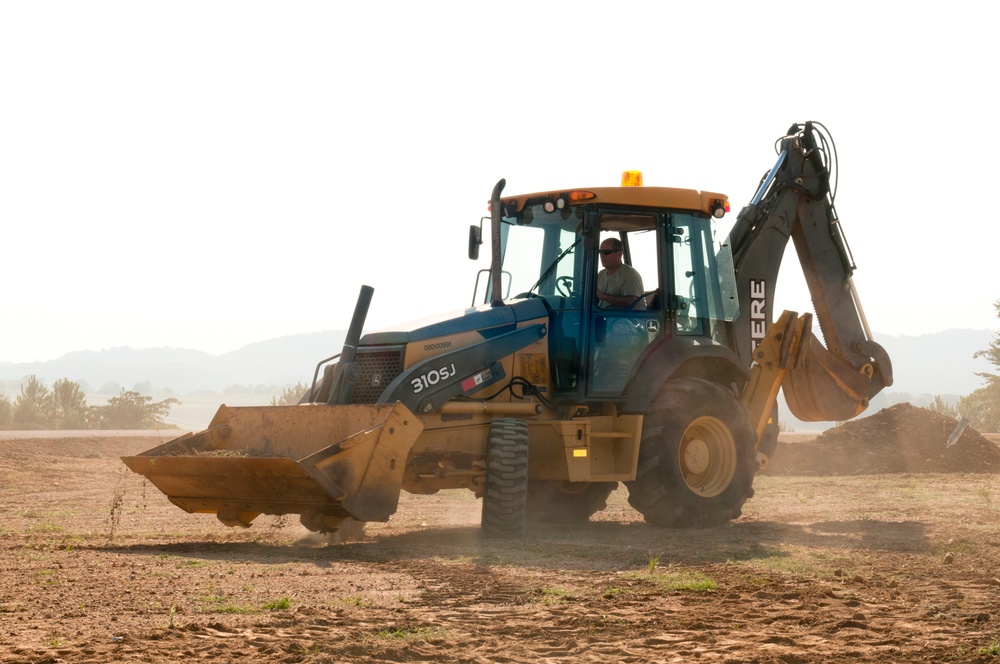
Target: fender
x,y
672,357
426,385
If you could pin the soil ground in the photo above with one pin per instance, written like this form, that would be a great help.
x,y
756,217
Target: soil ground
x,y
849,562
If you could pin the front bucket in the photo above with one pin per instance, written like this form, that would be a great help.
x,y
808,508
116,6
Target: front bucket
x,y
325,463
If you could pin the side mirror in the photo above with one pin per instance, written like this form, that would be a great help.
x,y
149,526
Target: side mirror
x,y
475,239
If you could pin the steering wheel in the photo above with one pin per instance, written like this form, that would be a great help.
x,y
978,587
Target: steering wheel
x,y
644,298
565,286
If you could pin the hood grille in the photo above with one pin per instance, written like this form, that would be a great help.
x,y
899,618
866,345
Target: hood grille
x,y
379,367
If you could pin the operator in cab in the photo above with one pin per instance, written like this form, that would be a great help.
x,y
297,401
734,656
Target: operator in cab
x,y
619,285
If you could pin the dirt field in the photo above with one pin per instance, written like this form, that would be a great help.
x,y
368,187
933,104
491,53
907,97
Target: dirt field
x,y
888,567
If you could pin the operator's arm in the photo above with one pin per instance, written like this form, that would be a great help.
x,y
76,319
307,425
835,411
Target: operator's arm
x,y
629,289
617,301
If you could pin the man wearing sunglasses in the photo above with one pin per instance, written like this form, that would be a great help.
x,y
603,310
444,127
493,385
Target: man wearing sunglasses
x,y
618,285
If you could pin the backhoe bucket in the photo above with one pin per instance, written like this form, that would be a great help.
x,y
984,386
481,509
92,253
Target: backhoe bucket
x,y
325,463
822,388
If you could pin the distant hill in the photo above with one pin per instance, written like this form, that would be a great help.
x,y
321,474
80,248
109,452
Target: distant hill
x,y
929,364
939,363
275,362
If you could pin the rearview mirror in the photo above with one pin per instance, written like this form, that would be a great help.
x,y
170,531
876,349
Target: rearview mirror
x,y
475,239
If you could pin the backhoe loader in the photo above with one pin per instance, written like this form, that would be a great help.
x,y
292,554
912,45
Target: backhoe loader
x,y
541,400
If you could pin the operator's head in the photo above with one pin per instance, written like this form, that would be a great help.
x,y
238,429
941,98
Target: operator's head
x,y
611,253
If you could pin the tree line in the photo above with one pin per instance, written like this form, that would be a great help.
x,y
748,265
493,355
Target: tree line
x,y
64,406
981,407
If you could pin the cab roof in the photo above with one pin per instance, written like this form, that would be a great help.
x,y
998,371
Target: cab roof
x,y
654,197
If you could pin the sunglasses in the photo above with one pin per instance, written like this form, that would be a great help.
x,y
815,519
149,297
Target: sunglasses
x,y
608,252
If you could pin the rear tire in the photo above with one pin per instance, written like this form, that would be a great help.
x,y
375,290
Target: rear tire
x,y
505,496
697,457
566,502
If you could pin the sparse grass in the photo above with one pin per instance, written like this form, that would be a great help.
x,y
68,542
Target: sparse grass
x,y
282,604
652,560
215,603
992,650
69,542
26,513
410,633
986,495
552,596
192,564
680,581
47,526
160,575
956,546
31,555
756,580
685,581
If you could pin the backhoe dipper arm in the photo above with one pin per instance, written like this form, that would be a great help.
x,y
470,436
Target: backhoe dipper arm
x,y
795,200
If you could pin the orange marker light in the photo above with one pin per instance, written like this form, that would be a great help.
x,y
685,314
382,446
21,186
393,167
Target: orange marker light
x,y
632,179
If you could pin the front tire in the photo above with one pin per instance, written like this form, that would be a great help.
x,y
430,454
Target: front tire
x,y
506,492
697,457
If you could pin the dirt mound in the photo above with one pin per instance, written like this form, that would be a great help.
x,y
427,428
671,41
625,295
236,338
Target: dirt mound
x,y
898,439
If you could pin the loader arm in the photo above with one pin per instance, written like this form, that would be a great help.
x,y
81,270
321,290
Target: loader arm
x,y
795,200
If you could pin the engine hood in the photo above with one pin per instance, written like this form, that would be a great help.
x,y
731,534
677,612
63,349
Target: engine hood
x,y
485,318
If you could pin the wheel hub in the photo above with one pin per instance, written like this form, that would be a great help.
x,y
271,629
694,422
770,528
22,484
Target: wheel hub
x,y
708,456
696,456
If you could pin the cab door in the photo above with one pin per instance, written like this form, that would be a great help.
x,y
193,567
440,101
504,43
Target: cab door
x,y
617,336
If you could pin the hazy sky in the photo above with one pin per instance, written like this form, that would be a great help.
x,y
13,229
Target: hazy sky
x,y
211,174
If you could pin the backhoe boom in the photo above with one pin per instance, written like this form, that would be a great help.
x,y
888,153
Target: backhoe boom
x,y
795,200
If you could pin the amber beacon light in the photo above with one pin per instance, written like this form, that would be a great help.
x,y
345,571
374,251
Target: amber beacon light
x,y
632,179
